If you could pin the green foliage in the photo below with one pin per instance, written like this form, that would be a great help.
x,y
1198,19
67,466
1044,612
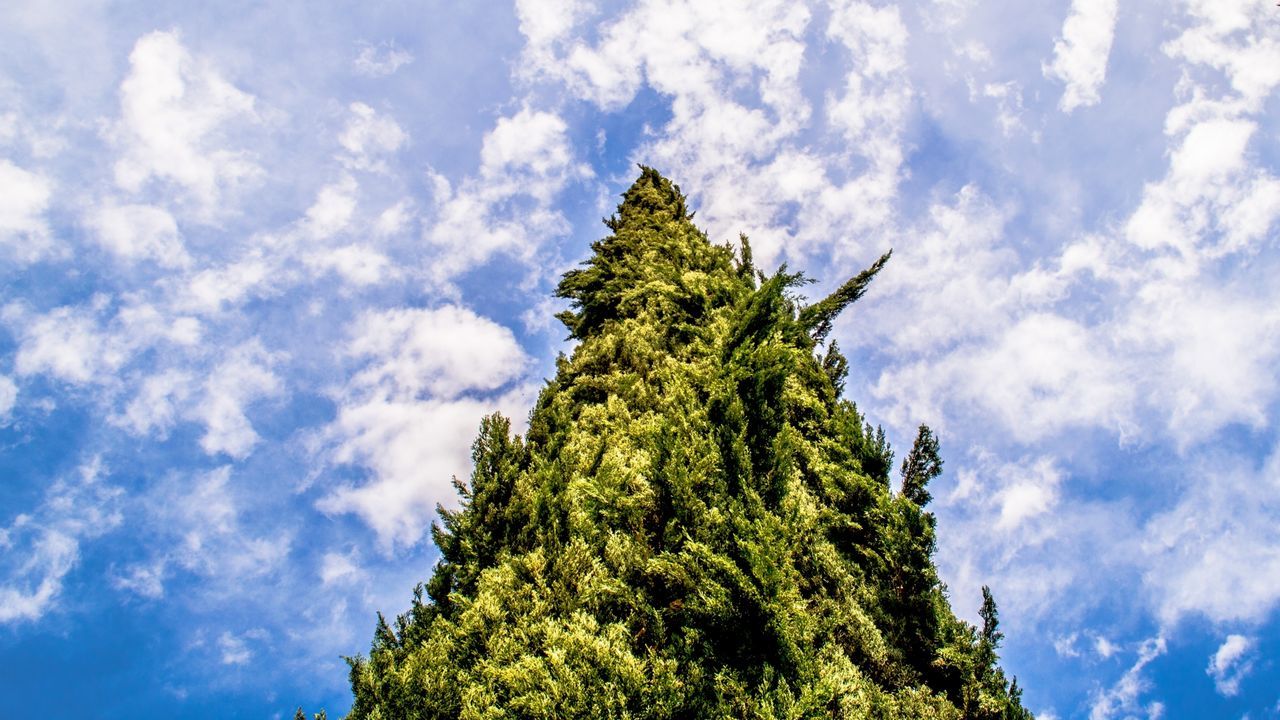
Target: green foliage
x,y
818,317
695,525
921,466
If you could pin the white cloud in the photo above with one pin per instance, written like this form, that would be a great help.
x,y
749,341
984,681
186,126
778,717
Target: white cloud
x,y
1043,374
1080,55
1217,199
142,579
975,335
243,377
139,232
174,110
333,208
356,264
1237,38
83,345
524,146
1030,496
369,137
24,198
1215,341
65,343
952,282
1065,645
214,289
873,106
1008,101
440,352
1040,376
1123,698
234,650
1216,553
978,334
1212,202
543,22
337,568
201,529
526,160
52,556
157,403
394,219
1210,151
381,60
468,228
1231,664
41,547
8,397
405,416
42,140
740,133
1004,524
1104,647
1210,350
413,448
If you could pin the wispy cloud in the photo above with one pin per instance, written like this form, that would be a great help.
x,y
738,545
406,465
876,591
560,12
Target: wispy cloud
x,y
1125,698
43,546
381,60
506,209
1231,664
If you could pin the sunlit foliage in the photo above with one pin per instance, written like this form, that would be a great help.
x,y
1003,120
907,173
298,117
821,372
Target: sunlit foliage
x,y
696,523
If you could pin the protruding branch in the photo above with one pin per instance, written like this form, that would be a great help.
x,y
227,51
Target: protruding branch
x,y
817,318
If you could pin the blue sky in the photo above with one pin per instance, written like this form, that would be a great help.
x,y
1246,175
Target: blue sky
x,y
265,265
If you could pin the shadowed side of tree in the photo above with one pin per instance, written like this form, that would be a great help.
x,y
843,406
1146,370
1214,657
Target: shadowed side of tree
x,y
696,523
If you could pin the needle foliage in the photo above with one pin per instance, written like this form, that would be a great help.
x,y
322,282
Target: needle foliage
x,y
695,525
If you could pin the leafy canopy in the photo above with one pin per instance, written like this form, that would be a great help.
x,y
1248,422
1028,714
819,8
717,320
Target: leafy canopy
x,y
695,525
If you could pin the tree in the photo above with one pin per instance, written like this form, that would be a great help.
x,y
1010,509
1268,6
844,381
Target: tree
x,y
696,523
920,467
991,637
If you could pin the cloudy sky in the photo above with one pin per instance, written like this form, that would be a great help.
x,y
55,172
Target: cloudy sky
x,y
265,265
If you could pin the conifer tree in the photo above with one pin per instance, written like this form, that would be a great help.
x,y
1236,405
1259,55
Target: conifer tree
x,y
920,467
695,525
991,637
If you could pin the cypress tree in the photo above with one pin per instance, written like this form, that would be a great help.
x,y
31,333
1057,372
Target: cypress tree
x,y
696,524
920,467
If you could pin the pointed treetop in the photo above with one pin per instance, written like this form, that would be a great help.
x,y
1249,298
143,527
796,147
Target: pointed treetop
x,y
653,200
921,466
656,263
990,619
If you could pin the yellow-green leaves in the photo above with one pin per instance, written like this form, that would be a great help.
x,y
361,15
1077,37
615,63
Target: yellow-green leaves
x,y
696,524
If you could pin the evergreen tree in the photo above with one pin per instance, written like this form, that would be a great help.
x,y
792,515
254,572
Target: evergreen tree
x,y
920,467
696,524
991,637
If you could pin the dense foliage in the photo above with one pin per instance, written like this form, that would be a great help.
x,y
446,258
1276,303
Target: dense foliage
x,y
695,525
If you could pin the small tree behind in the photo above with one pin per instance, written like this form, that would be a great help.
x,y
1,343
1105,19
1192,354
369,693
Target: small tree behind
x,y
920,467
